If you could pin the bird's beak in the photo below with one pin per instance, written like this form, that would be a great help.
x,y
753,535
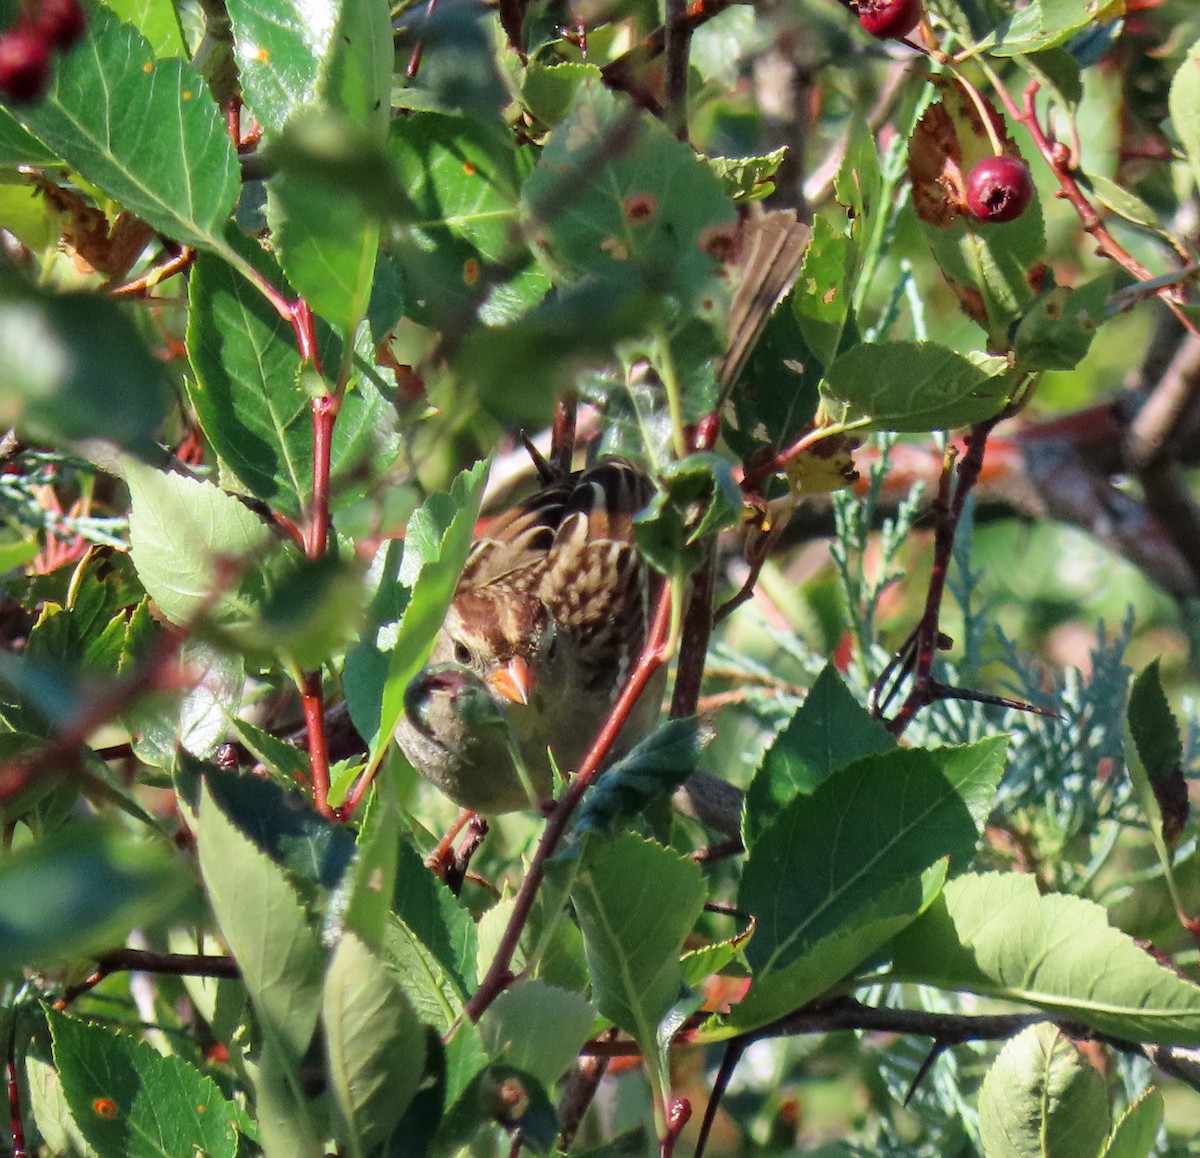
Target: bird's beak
x,y
514,681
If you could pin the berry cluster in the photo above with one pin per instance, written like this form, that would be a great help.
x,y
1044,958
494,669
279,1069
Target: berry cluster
x,y
45,26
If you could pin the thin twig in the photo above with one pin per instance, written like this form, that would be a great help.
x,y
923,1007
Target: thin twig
x,y
652,658
148,961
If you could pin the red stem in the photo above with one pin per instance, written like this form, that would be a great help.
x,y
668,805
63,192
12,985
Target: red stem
x,y
1069,191
652,657
313,702
14,1096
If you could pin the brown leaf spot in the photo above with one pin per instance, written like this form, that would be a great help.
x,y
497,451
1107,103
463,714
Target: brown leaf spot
x,y
639,208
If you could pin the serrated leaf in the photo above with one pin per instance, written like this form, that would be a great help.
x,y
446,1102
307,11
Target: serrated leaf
x,y
183,536
82,890
654,768
1040,1098
548,90
1136,1134
1185,107
1153,725
829,730
995,934
696,498
882,820
265,927
129,1099
183,177
74,366
748,178
636,902
434,915
622,211
375,1044
280,48
833,956
51,1114
276,819
912,387
1041,25
371,882
461,178
1056,333
246,391
537,1028
428,984
822,298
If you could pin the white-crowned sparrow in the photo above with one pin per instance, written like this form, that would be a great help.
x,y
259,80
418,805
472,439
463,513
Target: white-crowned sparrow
x,y
550,613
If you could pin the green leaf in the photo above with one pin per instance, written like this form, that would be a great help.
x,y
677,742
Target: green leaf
x,y
822,300
454,241
129,1099
651,771
372,876
434,914
184,535
748,178
537,1028
696,498
375,1044
1041,25
265,927
183,177
833,956
549,90
636,902
829,730
622,210
280,48
913,387
1153,726
327,239
156,20
431,987
82,890
994,934
51,1114
18,146
1136,1134
1185,107
74,366
1041,1098
1057,331
277,820
881,820
437,541
246,392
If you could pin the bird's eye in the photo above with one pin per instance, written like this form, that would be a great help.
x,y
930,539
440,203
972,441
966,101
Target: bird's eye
x,y
462,654
552,650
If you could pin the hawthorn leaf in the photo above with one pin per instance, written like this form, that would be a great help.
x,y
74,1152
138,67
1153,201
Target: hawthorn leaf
x,y
374,1042
876,823
996,935
828,731
1040,1097
265,926
143,129
913,387
127,1098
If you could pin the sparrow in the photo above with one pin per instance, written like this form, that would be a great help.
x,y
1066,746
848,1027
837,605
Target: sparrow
x,y
549,615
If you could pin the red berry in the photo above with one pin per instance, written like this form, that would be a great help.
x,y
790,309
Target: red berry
x,y
24,64
60,22
889,19
999,189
